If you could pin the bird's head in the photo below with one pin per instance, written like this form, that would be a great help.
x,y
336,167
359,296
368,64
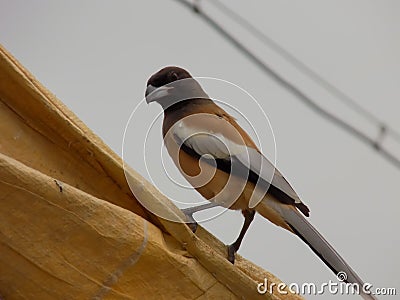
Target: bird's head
x,y
171,85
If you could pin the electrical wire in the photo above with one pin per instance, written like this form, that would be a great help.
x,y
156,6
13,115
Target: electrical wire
x,y
375,144
302,67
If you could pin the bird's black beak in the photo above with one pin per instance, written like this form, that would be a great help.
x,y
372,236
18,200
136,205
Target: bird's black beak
x,y
153,93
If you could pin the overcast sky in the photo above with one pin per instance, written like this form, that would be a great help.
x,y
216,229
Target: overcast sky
x,y
96,56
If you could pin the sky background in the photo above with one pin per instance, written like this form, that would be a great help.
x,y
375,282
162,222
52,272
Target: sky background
x,y
96,56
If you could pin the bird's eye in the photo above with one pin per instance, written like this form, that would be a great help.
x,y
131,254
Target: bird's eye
x,y
173,76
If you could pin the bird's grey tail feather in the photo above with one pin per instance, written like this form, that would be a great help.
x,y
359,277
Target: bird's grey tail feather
x,y
321,247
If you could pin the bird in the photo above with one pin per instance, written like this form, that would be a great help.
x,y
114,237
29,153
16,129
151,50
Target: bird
x,y
220,160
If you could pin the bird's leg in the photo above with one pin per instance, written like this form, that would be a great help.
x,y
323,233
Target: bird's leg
x,y
191,210
233,248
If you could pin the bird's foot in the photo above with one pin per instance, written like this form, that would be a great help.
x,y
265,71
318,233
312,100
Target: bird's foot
x,y
191,221
231,253
193,226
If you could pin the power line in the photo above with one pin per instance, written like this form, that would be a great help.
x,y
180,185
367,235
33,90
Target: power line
x,y
333,90
375,144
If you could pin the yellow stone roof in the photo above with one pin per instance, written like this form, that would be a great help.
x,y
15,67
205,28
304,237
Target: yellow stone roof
x,y
70,227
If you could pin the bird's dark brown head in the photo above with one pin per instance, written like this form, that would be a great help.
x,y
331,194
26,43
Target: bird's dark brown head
x,y
172,85
167,75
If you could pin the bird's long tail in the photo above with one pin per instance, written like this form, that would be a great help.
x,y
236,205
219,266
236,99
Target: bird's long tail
x,y
302,228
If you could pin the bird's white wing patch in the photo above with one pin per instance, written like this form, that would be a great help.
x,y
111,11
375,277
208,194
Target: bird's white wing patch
x,y
206,142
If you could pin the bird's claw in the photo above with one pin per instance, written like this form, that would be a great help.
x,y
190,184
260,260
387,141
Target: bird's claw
x,y
191,221
193,226
231,253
